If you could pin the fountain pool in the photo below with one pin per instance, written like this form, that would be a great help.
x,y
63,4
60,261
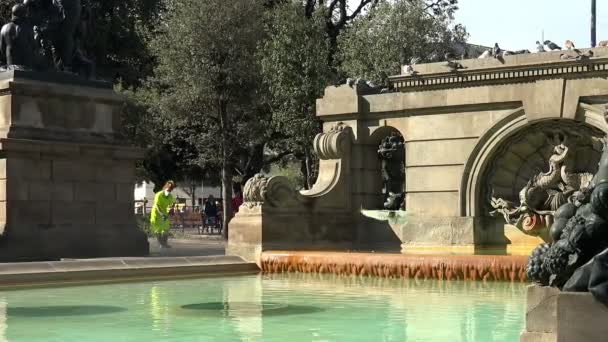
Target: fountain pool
x,y
272,307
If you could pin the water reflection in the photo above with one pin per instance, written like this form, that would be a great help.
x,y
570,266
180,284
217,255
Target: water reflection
x,y
159,309
416,310
248,309
61,310
3,320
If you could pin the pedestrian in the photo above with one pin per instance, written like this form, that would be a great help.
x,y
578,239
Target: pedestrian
x,y
210,212
237,200
159,219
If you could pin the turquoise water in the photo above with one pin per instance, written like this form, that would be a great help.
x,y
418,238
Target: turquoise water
x,y
292,308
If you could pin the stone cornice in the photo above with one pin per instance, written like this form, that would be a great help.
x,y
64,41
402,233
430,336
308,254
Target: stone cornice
x,y
501,75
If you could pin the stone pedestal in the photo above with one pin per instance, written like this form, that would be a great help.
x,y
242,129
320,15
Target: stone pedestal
x,y
66,177
555,316
260,228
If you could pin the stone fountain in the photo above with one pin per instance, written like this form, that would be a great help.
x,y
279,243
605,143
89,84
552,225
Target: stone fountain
x,y
490,152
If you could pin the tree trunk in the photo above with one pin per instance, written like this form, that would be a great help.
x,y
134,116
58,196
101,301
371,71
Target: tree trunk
x,y
304,171
193,195
226,196
226,169
309,167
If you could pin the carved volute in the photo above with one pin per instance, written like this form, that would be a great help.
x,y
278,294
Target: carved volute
x,y
333,144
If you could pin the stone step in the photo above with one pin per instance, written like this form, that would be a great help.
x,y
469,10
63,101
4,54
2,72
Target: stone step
x,y
78,271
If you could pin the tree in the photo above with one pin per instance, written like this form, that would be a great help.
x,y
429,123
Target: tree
x,y
339,14
206,81
393,33
295,69
117,40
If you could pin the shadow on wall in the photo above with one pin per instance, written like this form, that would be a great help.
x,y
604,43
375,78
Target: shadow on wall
x,y
375,230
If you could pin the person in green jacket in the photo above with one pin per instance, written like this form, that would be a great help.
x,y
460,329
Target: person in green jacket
x,y
159,219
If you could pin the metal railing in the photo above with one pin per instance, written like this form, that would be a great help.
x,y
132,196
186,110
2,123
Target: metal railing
x,y
183,217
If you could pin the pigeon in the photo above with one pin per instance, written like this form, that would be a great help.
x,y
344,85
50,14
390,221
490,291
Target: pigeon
x,y
449,56
454,66
565,57
552,46
496,51
569,45
603,43
583,56
486,54
539,47
521,52
409,69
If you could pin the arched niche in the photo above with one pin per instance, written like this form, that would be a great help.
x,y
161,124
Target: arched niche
x,y
515,150
374,162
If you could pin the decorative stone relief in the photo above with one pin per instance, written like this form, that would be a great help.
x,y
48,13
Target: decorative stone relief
x,y
255,189
522,193
273,191
577,260
331,145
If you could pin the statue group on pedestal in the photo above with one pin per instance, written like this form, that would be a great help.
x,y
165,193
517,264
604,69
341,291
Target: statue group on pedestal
x,y
47,35
392,154
546,192
577,259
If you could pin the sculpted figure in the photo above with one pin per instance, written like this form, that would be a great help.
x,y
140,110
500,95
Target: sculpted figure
x,y
57,22
577,259
58,29
391,152
82,65
546,192
17,45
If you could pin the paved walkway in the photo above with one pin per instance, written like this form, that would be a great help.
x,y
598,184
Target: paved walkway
x,y
189,247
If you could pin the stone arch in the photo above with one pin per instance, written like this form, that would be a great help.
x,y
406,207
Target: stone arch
x,y
514,150
375,137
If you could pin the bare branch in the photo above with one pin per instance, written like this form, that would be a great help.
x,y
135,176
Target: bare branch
x,y
361,6
310,7
277,157
332,6
433,4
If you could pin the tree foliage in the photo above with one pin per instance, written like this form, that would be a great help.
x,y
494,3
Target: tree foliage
x,y
204,95
295,70
393,33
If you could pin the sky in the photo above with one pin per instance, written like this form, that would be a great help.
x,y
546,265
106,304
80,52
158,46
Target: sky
x,y
518,24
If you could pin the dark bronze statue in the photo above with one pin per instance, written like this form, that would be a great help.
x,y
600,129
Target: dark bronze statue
x,y
577,259
57,28
391,152
17,45
57,22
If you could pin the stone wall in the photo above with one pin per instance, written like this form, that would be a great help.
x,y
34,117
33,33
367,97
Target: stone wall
x,y
66,178
455,126
453,133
